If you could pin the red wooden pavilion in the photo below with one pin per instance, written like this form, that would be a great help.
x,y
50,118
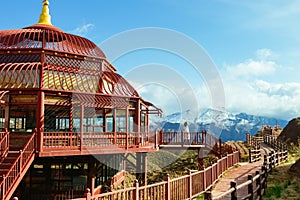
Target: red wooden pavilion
x,y
67,118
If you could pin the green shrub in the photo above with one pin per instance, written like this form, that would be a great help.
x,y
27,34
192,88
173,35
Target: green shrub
x,y
274,191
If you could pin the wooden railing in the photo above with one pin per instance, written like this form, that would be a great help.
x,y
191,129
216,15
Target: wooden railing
x,y
18,169
76,140
274,143
117,179
254,147
253,140
185,187
193,138
254,153
256,184
4,144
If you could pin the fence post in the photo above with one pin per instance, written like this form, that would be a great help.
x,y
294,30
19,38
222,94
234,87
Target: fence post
x,y
207,195
250,154
234,193
258,184
265,160
136,191
270,161
204,179
264,178
250,187
168,188
87,194
190,185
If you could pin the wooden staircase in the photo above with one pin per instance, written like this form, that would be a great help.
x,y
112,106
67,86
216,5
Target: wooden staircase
x,y
16,158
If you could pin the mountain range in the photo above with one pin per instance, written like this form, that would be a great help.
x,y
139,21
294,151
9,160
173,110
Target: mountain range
x,y
223,124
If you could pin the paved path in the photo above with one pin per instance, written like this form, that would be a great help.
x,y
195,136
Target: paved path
x,y
239,175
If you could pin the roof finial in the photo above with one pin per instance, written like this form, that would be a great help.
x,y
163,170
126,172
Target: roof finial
x,y
45,17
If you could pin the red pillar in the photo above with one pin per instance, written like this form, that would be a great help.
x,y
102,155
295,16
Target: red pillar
x,y
40,120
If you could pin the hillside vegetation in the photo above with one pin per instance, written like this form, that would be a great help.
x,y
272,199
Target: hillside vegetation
x,y
242,147
284,181
175,163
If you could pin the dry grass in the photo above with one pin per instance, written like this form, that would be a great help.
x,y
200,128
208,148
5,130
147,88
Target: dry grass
x,y
242,148
282,184
174,163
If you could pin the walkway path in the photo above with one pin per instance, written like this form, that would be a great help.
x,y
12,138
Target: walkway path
x,y
239,175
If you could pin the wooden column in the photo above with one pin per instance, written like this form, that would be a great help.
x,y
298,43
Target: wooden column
x,y
141,168
91,176
40,120
81,126
137,120
115,125
6,113
127,128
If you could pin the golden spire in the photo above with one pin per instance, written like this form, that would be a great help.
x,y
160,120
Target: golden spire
x,y
45,17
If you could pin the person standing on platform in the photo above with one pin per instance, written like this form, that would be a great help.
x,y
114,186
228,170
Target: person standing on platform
x,y
186,132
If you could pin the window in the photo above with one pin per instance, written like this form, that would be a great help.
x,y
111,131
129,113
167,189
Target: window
x,y
57,118
2,119
109,126
22,118
121,120
131,123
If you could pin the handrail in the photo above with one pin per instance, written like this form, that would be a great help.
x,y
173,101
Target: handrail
x,y
270,161
77,140
19,165
194,183
4,144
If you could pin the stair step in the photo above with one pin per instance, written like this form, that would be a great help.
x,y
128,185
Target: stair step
x,y
9,160
13,154
3,172
5,166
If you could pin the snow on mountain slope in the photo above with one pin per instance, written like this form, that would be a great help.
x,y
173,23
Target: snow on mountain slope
x,y
227,125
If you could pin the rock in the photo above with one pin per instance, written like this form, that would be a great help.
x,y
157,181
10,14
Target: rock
x,y
291,133
295,168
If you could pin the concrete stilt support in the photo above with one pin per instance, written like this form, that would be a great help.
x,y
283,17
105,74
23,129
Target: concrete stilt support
x,y
200,158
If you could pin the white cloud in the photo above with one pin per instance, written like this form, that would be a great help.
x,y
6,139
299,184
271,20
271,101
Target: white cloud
x,y
258,95
83,30
265,54
291,89
264,98
252,67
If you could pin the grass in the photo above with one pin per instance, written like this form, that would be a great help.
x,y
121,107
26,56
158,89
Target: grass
x,y
282,184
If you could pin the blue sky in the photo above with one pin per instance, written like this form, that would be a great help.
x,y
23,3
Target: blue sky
x,y
253,44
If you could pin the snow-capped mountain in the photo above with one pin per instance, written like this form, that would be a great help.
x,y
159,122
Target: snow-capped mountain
x,y
227,125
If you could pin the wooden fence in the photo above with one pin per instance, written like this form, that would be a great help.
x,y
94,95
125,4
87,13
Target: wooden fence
x,y
256,184
185,187
254,147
